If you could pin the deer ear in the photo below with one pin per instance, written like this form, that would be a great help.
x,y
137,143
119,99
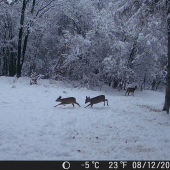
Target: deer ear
x,y
86,97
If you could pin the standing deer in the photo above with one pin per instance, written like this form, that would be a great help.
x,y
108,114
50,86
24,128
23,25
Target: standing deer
x,y
130,90
96,100
120,86
69,100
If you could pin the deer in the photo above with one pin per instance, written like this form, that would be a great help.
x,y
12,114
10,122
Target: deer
x,y
96,100
119,87
64,101
130,90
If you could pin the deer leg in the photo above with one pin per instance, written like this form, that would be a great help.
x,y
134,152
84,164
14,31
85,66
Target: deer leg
x,y
58,104
104,102
107,102
88,105
73,104
77,104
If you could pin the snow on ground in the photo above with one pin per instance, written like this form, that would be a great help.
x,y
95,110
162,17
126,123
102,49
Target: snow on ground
x,y
31,128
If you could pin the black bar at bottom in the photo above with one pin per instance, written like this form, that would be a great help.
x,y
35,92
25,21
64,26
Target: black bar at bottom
x,y
85,165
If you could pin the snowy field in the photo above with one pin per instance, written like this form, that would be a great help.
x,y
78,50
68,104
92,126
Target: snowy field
x,y
31,128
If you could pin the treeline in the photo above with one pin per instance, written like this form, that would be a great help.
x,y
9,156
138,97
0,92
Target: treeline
x,y
93,42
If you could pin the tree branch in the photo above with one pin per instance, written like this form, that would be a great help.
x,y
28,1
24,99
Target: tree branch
x,y
44,12
44,7
33,5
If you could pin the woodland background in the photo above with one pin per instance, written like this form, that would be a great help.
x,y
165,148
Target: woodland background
x,y
93,42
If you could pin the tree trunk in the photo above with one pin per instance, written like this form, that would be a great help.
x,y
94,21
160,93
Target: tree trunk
x,y
19,66
12,65
167,95
22,51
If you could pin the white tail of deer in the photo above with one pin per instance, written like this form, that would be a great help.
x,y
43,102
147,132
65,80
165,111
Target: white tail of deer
x,y
96,100
64,101
130,90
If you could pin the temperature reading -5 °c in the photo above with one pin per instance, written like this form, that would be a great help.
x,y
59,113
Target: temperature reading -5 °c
x,y
94,163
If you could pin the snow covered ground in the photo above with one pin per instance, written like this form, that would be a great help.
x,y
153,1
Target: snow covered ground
x,y
31,128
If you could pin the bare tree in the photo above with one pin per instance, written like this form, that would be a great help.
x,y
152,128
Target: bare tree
x,y
167,94
22,47
19,63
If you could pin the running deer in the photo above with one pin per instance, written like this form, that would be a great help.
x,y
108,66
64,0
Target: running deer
x,y
64,101
96,100
130,90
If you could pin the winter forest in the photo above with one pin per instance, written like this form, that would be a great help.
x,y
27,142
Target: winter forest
x,y
93,42
75,50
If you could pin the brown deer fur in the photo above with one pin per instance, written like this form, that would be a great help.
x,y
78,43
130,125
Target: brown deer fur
x,y
64,101
96,100
130,90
